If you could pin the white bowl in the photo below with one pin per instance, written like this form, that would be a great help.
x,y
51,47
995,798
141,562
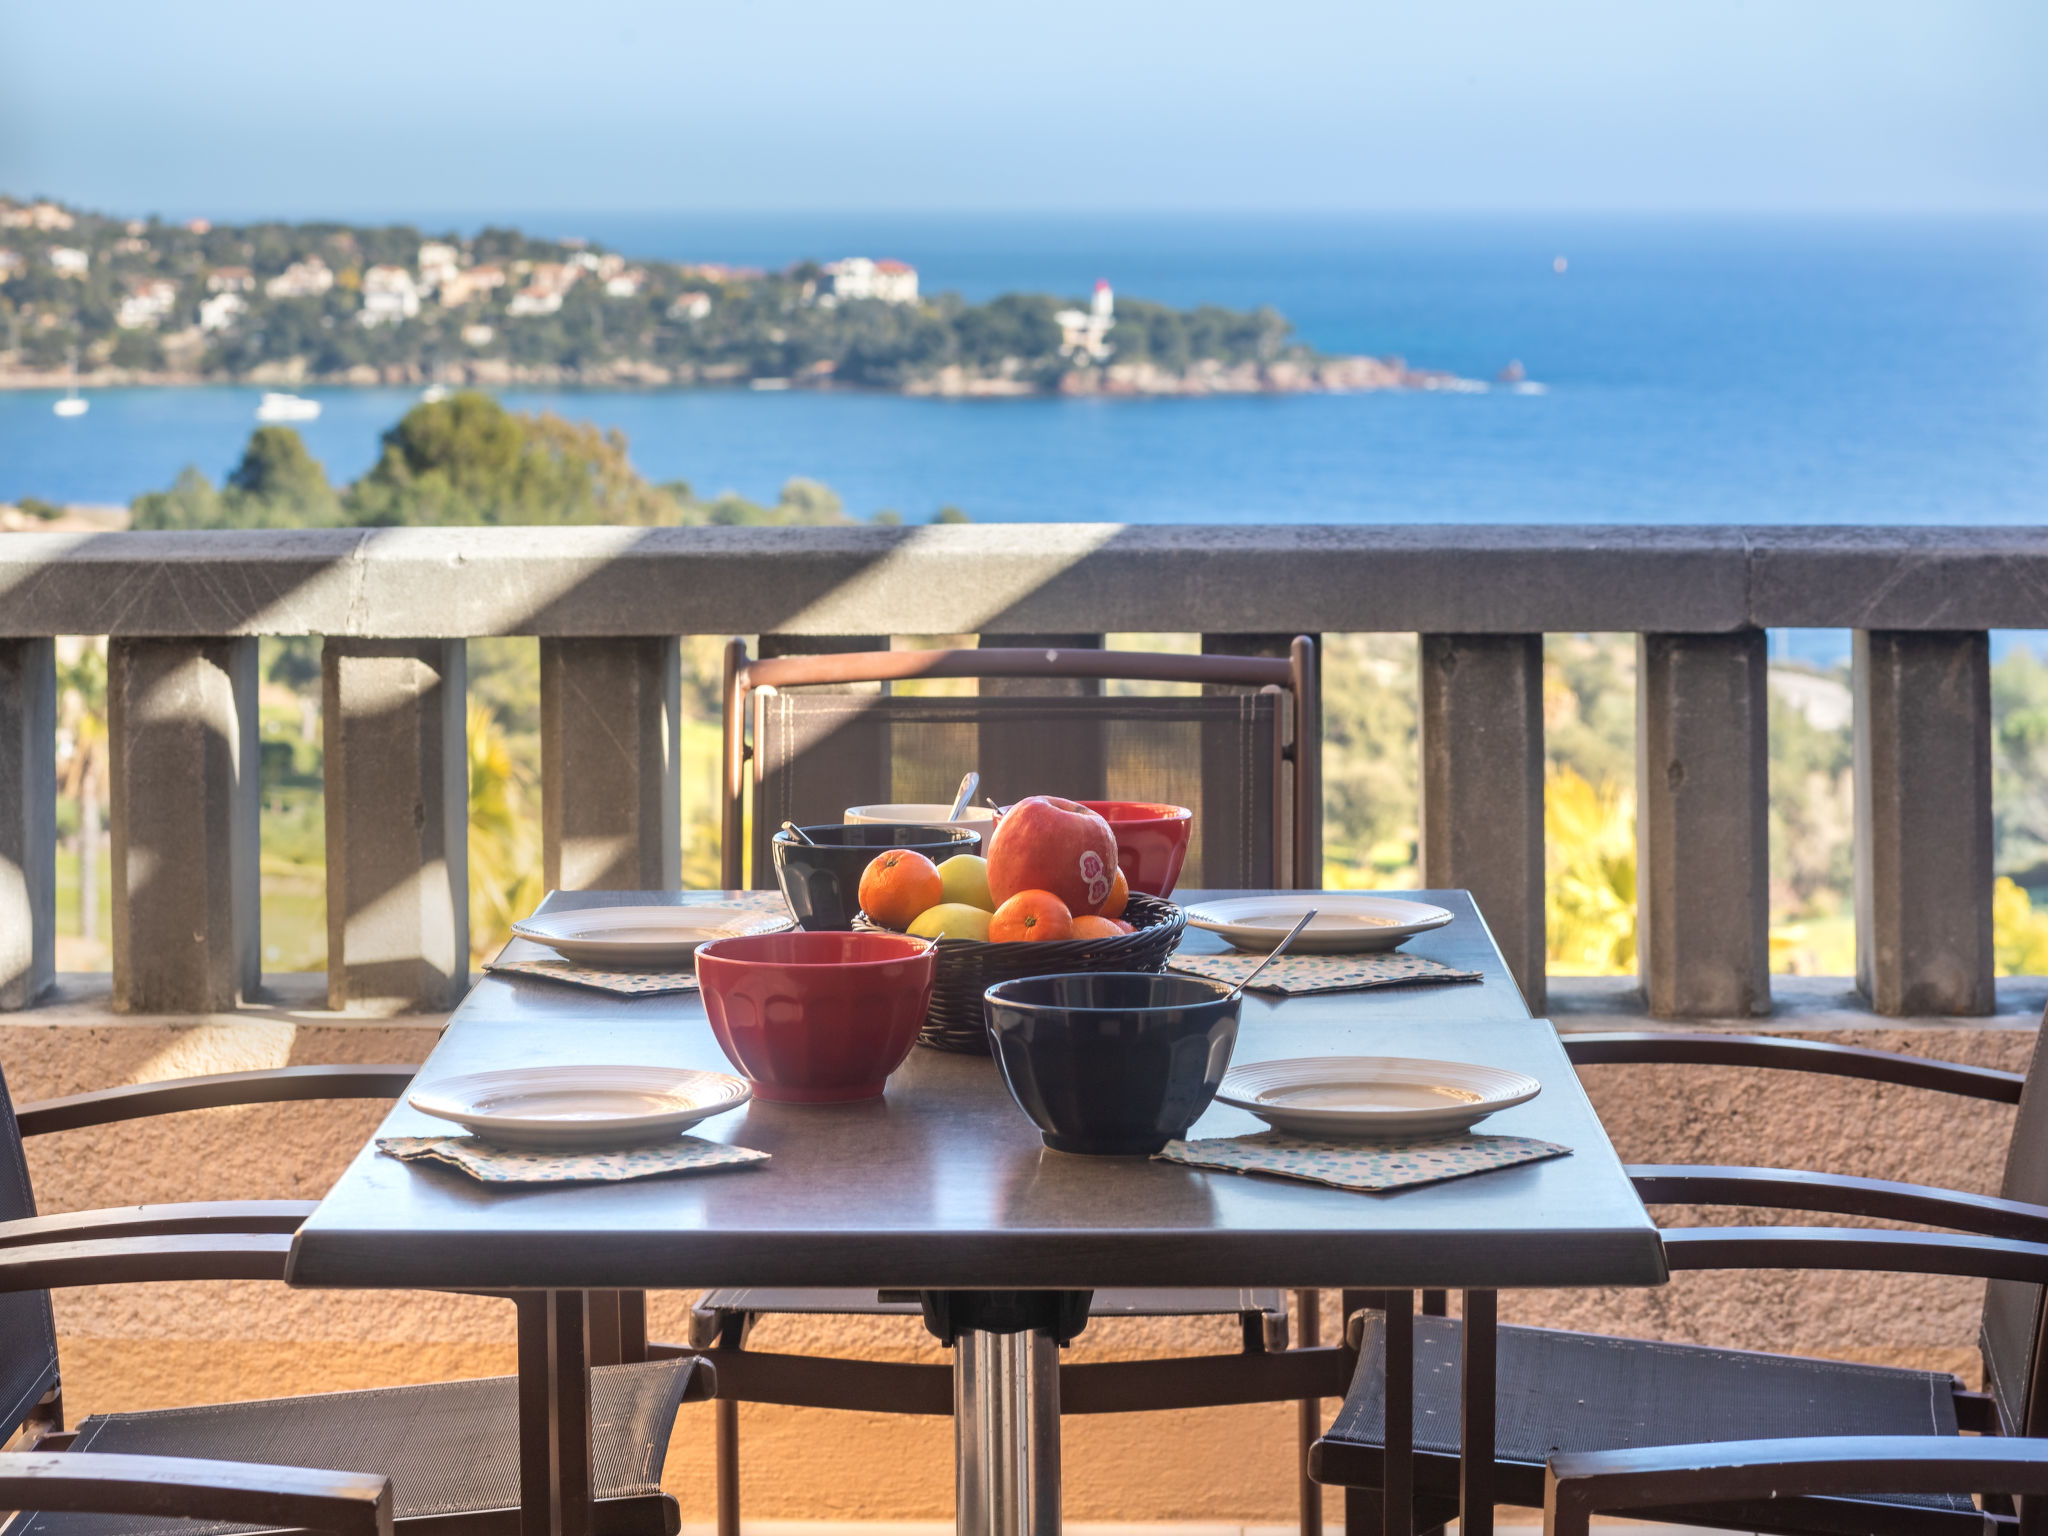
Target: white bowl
x,y
976,818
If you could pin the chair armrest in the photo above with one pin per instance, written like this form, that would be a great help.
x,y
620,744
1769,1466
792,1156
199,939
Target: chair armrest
x,y
126,1260
1792,1189
1579,1484
1649,1048
158,1221
343,1503
383,1080
1853,1248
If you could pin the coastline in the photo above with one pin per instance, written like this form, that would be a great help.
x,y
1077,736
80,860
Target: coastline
x,y
1331,375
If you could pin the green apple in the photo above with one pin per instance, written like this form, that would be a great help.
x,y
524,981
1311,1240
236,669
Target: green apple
x,y
964,879
951,920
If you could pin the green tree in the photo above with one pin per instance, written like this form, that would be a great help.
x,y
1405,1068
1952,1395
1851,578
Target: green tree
x,y
468,460
280,483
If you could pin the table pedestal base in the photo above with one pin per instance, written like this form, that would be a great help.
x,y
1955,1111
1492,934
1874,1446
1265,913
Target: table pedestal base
x,y
1006,1429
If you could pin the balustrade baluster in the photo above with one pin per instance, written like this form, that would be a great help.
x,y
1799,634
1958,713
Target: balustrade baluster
x,y
1703,825
1482,787
28,820
394,716
1923,821
610,753
181,727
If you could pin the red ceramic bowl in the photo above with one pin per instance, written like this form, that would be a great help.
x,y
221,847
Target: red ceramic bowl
x,y
1151,841
816,1018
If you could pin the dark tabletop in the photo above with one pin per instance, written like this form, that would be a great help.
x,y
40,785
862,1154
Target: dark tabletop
x,y
943,1183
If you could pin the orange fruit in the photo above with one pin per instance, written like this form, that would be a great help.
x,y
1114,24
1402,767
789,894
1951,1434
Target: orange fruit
x,y
1031,915
1093,927
898,885
1119,893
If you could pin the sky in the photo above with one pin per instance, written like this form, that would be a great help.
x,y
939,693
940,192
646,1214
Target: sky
x,y
451,108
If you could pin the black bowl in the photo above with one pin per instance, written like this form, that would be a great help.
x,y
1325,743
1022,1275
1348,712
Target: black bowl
x,y
1112,1062
822,884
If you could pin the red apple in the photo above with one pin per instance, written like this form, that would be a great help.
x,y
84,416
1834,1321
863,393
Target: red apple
x,y
1047,844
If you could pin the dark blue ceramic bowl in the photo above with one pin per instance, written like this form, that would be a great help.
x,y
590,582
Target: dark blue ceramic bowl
x,y
1112,1062
822,884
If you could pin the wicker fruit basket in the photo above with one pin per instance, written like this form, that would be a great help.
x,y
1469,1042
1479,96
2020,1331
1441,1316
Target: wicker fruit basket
x,y
968,967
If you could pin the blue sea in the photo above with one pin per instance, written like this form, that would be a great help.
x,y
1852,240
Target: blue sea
x,y
1695,371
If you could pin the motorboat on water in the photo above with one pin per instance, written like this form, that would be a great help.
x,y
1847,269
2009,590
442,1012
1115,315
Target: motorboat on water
x,y
275,406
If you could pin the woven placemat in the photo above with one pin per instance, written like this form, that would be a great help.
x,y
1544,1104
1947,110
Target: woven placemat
x,y
1295,974
525,957
1362,1165
510,1165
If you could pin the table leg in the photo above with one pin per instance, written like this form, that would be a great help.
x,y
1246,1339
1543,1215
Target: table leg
x,y
555,1486
1006,1427
1477,1408
1308,1307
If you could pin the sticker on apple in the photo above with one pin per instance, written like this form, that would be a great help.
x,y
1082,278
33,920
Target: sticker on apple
x,y
1095,876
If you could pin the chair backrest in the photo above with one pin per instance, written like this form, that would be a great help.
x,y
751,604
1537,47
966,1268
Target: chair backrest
x,y
28,1333
1243,754
2013,1315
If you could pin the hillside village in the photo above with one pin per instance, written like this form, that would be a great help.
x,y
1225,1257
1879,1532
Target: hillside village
x,y
142,301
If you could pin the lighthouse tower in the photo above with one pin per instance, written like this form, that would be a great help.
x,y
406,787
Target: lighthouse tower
x,y
1084,333
1103,310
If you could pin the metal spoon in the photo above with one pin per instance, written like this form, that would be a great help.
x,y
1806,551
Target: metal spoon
x,y
968,786
1278,950
797,832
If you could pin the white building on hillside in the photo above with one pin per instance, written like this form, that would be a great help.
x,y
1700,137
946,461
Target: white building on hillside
x,y
306,279
893,282
147,303
1085,332
689,306
69,261
389,296
219,311
470,283
44,216
230,280
439,262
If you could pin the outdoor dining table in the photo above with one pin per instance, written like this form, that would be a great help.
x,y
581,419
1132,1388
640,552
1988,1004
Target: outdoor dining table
x,y
943,1187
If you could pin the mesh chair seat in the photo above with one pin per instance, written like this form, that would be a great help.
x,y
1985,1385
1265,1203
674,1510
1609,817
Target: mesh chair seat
x,y
451,1448
1262,1312
1560,1391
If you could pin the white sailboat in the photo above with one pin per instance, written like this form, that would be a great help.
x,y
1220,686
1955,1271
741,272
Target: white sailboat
x,y
275,406
72,404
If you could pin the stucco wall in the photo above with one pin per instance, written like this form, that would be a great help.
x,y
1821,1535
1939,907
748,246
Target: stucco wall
x,y
147,1346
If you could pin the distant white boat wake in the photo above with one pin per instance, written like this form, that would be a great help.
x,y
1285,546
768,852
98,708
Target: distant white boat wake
x,y
72,404
280,407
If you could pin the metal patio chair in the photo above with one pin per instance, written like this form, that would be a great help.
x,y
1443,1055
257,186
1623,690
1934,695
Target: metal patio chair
x,y
450,1449
189,1491
1739,1475
1243,755
1559,1392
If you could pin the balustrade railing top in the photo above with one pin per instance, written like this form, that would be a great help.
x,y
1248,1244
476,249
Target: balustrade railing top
x,y
394,606
1063,577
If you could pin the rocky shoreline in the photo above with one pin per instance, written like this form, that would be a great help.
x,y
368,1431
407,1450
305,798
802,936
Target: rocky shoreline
x,y
1333,375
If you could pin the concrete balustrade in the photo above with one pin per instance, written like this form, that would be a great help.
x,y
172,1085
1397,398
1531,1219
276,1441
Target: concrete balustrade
x,y
611,746
1482,787
182,611
393,713
1703,808
1923,822
181,731
28,821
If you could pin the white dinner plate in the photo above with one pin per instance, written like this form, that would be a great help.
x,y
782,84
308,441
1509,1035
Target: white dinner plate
x,y
1373,1097
1344,924
563,1107
643,938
